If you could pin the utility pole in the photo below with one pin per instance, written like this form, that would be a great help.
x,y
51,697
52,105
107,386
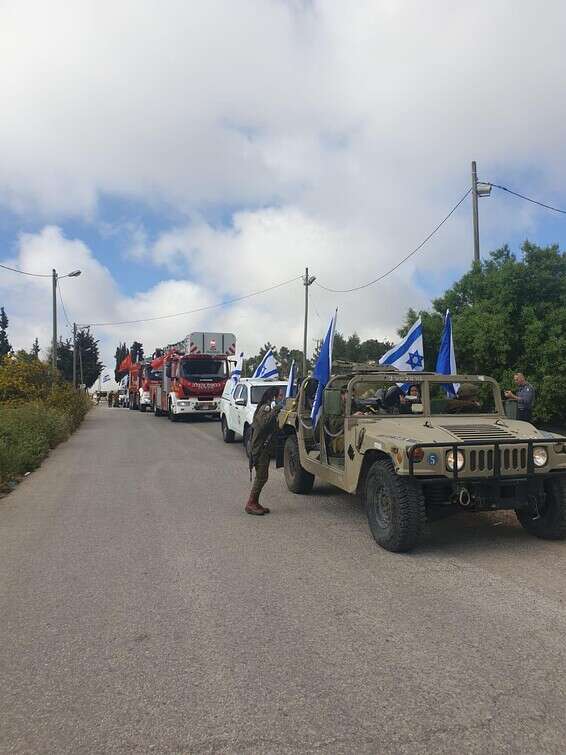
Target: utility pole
x,y
308,281
478,190
74,355
54,345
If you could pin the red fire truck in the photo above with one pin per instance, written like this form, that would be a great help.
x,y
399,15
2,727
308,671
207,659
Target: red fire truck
x,y
193,375
143,378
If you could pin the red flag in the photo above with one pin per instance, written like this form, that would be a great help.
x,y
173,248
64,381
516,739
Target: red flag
x,y
125,364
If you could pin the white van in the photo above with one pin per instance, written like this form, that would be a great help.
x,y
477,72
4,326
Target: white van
x,y
238,405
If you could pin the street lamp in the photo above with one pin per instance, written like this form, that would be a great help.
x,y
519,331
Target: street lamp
x,y
54,279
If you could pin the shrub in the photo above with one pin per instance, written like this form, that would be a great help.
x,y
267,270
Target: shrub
x,y
35,414
22,380
73,404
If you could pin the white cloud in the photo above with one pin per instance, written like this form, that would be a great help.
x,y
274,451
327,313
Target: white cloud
x,y
345,129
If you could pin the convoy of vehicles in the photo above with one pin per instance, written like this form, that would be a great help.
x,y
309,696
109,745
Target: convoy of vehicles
x,y
413,454
238,405
425,453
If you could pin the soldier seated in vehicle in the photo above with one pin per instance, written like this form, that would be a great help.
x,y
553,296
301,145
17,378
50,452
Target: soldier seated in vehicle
x,y
466,401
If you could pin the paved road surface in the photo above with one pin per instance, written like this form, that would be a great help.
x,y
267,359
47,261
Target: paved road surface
x,y
142,611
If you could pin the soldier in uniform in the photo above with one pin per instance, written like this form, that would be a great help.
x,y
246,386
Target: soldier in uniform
x,y
264,427
110,398
524,396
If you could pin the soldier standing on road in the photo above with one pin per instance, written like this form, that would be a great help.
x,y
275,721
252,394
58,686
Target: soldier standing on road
x,y
264,427
110,398
524,396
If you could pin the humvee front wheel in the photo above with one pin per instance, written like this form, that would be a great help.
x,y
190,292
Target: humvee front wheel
x,y
548,519
298,479
395,507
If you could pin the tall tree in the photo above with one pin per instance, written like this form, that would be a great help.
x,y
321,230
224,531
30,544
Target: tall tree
x,y
136,350
121,353
88,351
5,347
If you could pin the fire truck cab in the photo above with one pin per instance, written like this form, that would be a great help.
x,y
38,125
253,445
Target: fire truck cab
x,y
193,375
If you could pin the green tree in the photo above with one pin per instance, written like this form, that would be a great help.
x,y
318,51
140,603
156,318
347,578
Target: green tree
x,y
88,351
5,347
136,350
121,353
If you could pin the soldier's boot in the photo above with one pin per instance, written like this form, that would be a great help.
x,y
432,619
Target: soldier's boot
x,y
264,508
253,507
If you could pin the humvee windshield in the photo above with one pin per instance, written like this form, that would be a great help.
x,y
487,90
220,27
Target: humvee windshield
x,y
472,397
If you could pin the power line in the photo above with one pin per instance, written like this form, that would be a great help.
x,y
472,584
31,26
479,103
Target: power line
x,y
63,304
528,199
23,272
384,275
198,309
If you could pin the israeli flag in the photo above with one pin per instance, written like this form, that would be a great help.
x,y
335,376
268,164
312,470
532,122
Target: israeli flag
x,y
408,355
446,360
323,369
237,372
106,378
291,387
124,381
267,368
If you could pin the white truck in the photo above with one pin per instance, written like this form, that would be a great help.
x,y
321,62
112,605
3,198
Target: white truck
x,y
238,405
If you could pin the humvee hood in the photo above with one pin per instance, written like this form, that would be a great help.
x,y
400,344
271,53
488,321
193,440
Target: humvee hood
x,y
447,430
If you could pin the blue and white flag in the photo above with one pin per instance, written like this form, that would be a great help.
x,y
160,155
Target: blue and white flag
x,y
446,360
291,382
106,378
124,381
408,355
267,368
237,372
323,369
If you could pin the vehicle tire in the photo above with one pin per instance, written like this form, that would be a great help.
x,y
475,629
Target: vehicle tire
x,y
142,407
227,434
550,523
247,440
298,479
395,507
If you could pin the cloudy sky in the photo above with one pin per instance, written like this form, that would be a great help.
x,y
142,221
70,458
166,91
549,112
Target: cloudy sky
x,y
185,153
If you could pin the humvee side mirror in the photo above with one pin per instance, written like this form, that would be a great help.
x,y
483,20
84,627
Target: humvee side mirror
x,y
417,408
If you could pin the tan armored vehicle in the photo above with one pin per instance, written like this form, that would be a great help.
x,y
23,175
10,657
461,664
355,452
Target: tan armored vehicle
x,y
414,452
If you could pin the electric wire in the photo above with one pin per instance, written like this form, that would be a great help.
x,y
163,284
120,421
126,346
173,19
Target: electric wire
x,y
23,272
528,199
63,305
194,311
392,270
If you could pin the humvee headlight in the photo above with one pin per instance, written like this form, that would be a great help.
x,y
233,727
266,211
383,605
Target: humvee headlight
x,y
460,461
540,456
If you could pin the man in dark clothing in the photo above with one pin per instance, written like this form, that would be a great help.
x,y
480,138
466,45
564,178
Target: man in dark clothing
x,y
524,396
264,427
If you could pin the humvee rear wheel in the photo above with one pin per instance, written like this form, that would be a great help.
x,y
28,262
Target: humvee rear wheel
x,y
298,479
395,507
548,519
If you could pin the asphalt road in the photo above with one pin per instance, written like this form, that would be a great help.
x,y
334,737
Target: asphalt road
x,y
142,611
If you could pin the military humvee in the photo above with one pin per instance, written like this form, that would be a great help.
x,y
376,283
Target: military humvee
x,y
413,448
